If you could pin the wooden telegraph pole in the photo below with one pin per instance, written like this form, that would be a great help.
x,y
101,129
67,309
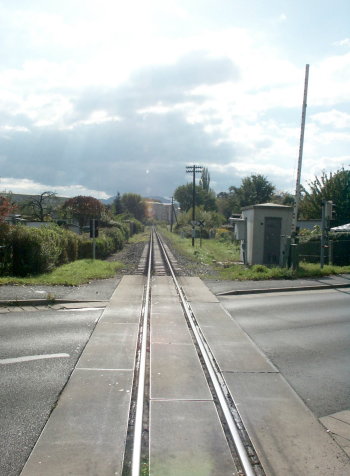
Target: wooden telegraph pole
x,y
193,169
293,247
300,159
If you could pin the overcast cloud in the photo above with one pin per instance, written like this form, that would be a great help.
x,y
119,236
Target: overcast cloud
x,y
108,96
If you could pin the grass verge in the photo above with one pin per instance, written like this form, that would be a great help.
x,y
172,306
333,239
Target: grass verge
x,y
221,255
71,274
140,237
211,252
260,272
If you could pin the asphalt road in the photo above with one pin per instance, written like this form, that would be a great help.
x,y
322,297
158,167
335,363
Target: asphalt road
x,y
38,351
306,334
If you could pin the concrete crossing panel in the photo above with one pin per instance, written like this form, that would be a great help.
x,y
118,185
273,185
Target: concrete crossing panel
x,y
112,346
80,438
196,290
186,439
287,436
176,373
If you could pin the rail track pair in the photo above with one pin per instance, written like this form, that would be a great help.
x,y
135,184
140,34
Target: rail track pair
x,y
158,261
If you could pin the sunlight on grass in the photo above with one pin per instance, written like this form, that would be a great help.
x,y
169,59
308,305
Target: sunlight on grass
x,y
223,256
260,272
210,252
140,237
71,274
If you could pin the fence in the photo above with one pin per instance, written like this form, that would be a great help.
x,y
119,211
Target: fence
x,y
337,249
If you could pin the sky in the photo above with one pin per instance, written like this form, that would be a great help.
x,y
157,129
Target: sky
x,y
106,96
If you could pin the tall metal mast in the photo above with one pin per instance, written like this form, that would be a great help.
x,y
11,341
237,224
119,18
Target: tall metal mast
x,y
301,146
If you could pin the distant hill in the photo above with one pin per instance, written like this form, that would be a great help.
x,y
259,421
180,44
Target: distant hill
x,y
21,197
107,201
160,199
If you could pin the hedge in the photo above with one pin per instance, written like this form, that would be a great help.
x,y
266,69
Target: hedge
x,y
28,251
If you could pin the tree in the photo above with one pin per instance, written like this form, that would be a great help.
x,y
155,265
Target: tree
x,y
83,209
283,198
227,204
253,190
205,180
334,187
183,195
42,205
5,208
134,204
117,204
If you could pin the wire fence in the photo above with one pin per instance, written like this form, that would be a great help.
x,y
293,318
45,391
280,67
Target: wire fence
x,y
336,249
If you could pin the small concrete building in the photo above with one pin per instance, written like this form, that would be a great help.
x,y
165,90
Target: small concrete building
x,y
268,227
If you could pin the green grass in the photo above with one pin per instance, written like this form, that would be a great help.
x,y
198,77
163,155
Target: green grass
x,y
222,256
260,272
211,252
71,274
140,237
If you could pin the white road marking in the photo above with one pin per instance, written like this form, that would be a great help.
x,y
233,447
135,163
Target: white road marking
x,y
28,358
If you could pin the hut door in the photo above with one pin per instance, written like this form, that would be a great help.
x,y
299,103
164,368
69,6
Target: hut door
x,y
272,240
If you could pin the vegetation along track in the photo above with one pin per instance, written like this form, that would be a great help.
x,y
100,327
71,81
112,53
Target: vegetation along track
x,y
160,262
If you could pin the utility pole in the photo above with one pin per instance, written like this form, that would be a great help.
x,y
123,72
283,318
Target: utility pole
x,y
171,214
301,146
327,212
193,169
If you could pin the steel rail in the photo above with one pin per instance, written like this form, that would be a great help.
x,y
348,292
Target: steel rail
x,y
137,437
241,450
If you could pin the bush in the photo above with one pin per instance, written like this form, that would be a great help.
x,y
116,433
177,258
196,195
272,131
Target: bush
x,y
28,251
34,250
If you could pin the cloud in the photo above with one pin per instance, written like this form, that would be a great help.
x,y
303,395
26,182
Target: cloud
x,y
282,18
113,156
28,187
344,42
334,118
98,99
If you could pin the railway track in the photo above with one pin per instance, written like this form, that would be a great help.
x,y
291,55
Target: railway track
x,y
141,458
148,394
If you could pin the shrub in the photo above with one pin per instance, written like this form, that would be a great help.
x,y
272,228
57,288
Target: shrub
x,y
34,250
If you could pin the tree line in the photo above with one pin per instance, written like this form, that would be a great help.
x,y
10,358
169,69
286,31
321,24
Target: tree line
x,y
48,207
256,188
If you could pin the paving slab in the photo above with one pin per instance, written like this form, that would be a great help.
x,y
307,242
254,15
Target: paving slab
x,y
186,439
86,432
167,322
169,330
165,301
176,373
196,290
120,312
287,436
80,438
232,348
336,426
130,289
163,285
342,416
111,346
164,308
